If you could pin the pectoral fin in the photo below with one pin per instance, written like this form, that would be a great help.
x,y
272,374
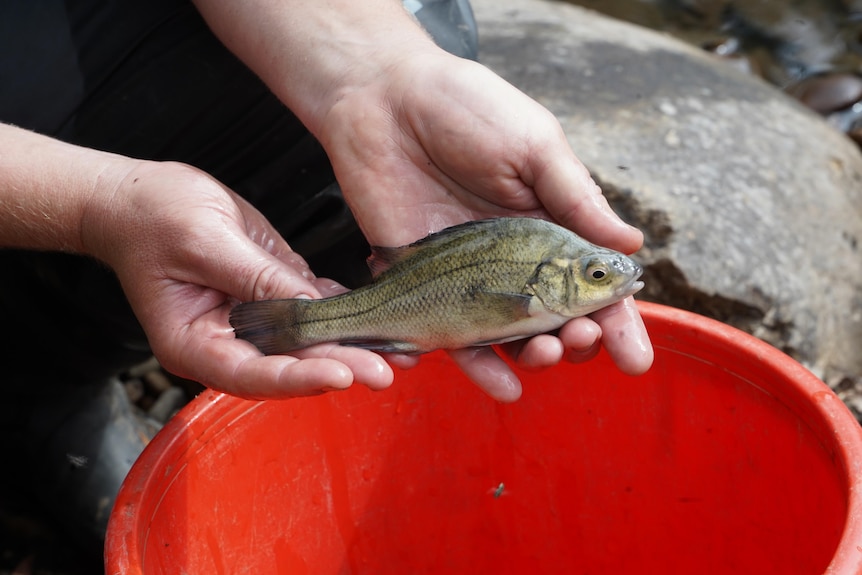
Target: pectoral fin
x,y
501,307
513,316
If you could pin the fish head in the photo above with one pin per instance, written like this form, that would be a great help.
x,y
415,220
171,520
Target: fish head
x,y
576,287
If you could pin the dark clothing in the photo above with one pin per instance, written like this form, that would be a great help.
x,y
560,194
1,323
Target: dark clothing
x,y
147,79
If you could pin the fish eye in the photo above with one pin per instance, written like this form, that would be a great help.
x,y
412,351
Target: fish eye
x,y
597,271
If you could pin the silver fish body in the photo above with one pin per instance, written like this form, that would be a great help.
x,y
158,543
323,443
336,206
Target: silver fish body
x,y
479,283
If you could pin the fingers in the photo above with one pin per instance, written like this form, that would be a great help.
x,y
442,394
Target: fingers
x,y
618,327
236,367
401,360
330,367
537,352
578,340
570,195
279,377
254,376
625,337
485,368
368,368
207,351
260,231
251,272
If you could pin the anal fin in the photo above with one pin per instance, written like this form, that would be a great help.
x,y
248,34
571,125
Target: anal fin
x,y
384,346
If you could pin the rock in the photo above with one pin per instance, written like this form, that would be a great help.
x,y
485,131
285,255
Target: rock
x,y
751,204
828,93
134,389
167,404
156,381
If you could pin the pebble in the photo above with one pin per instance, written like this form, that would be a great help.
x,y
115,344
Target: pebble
x,y
167,404
157,382
828,92
139,370
134,388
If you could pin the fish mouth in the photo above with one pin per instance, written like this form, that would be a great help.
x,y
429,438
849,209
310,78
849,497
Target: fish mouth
x,y
635,284
632,288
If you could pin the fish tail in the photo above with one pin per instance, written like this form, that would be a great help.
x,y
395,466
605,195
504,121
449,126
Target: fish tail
x,y
273,326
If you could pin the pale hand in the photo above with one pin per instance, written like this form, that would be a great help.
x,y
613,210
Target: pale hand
x,y
186,250
440,140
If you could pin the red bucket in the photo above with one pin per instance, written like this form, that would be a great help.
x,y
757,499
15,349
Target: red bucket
x,y
727,457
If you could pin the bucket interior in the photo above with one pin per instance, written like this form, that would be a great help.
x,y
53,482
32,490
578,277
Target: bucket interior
x,y
710,463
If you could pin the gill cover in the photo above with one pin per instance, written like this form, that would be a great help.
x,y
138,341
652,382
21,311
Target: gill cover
x,y
554,284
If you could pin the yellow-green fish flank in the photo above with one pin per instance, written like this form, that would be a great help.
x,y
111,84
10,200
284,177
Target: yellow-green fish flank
x,y
479,283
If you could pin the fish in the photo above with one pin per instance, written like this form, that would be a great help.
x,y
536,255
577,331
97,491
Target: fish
x,y
478,283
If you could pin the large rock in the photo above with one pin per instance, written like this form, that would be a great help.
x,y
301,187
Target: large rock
x,y
751,204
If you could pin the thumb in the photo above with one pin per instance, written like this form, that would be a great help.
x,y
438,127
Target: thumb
x,y
586,210
258,264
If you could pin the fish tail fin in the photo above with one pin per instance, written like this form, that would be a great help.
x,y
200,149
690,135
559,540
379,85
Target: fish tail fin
x,y
273,326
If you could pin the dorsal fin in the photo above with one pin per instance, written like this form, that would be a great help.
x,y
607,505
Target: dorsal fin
x,y
383,258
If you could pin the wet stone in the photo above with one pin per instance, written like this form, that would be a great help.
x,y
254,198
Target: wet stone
x,y
751,203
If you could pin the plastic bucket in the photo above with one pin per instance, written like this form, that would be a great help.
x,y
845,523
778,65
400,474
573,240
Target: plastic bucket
x,y
727,457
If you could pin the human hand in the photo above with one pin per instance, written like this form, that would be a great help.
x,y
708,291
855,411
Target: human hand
x,y
186,249
439,140
420,140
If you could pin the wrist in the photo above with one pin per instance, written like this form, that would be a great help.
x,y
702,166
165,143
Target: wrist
x,y
103,223
45,188
311,54
370,77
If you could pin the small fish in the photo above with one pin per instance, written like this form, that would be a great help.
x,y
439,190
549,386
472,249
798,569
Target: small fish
x,y
479,283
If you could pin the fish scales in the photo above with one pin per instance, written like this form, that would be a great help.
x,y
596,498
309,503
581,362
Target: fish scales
x,y
406,305
402,294
473,284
